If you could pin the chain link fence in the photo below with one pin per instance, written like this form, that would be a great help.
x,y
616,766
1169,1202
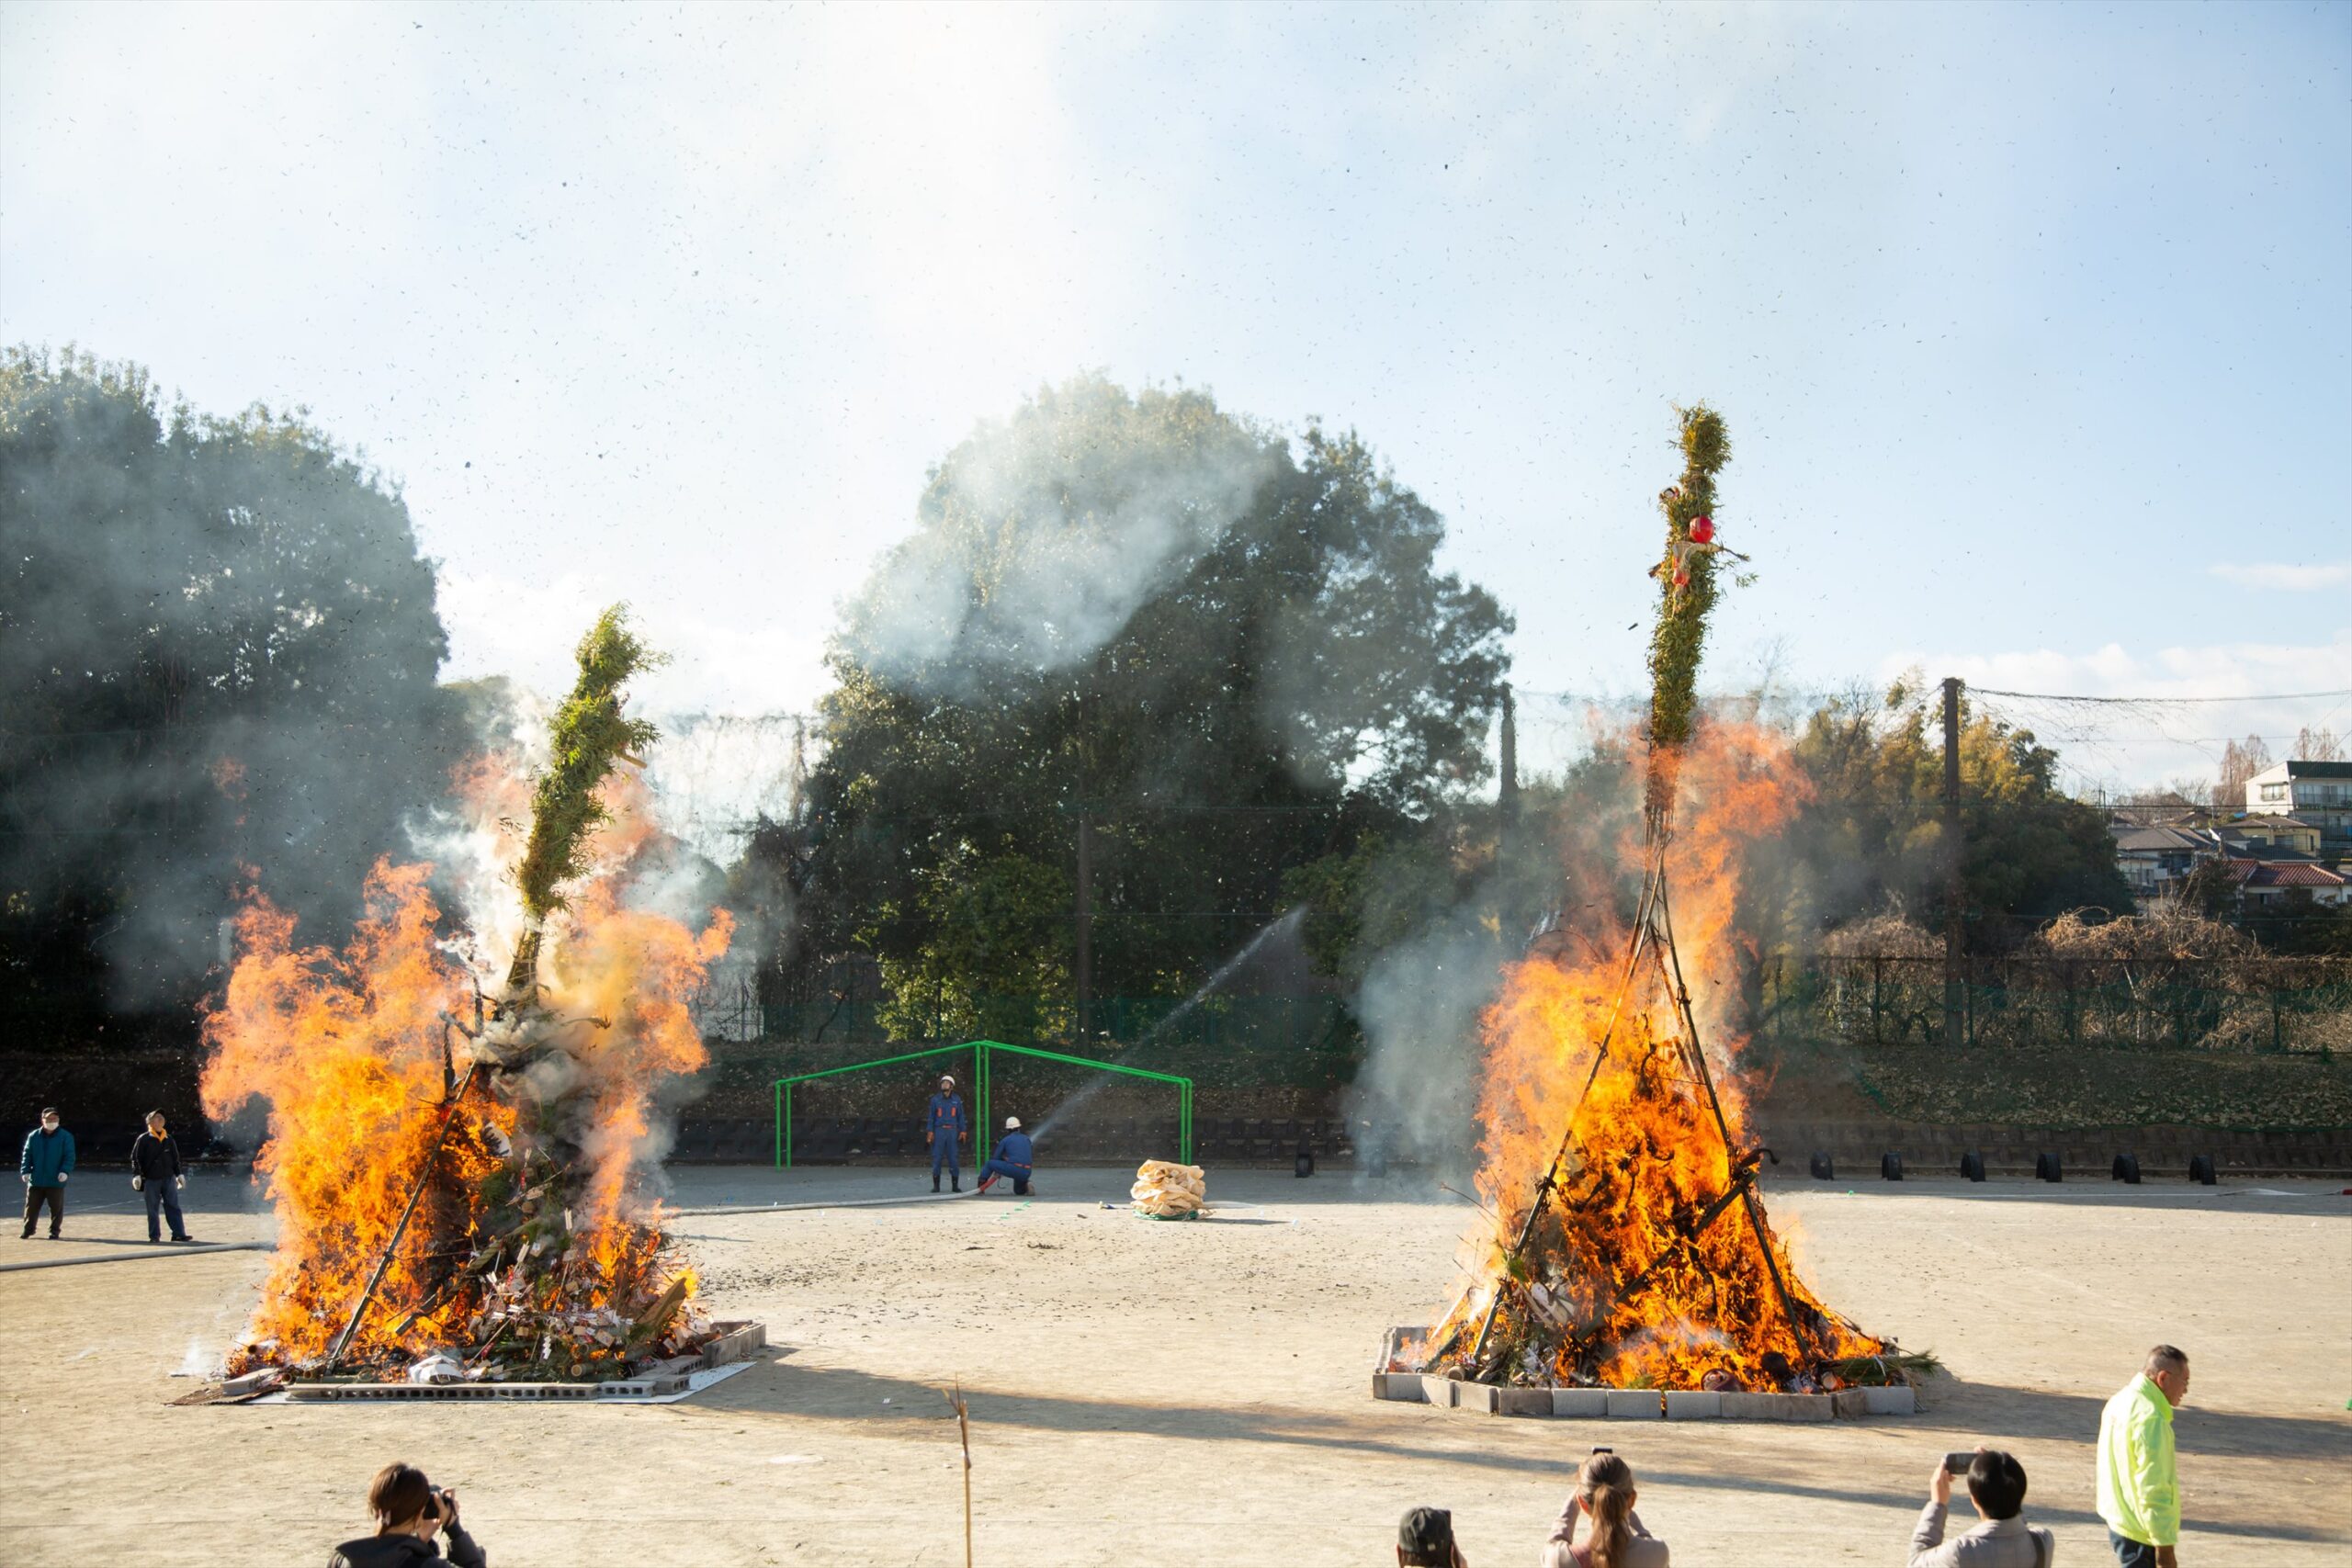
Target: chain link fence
x,y
2299,1005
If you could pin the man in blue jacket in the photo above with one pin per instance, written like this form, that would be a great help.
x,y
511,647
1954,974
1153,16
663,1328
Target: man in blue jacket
x,y
1013,1157
944,1127
47,1161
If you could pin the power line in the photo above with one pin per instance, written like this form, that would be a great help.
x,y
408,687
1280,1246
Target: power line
x,y
2157,702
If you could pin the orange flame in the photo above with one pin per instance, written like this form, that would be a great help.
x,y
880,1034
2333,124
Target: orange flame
x,y
1647,1266
350,1051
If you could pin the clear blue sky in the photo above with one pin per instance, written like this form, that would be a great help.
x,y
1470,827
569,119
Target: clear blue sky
x,y
2033,325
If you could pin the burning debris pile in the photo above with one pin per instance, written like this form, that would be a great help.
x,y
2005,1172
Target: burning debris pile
x,y
1629,1249
456,1171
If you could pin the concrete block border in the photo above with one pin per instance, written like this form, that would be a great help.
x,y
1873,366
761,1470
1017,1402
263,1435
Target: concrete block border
x,y
727,1353
1391,1382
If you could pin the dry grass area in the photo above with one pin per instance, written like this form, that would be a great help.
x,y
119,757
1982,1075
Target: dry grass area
x,y
1147,1391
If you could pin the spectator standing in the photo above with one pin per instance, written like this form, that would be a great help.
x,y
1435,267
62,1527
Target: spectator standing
x,y
156,1172
1425,1540
47,1161
410,1510
2002,1538
2139,1490
1604,1494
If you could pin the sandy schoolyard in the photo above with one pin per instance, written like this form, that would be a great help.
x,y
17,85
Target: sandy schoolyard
x,y
1195,1393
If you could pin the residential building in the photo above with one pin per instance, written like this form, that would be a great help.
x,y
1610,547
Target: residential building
x,y
2316,793
2290,834
2154,860
2262,883
2265,855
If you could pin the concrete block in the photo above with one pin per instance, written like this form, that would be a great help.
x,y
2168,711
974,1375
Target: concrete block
x,y
736,1340
1694,1405
1438,1390
1586,1402
1478,1396
1900,1400
252,1383
1849,1402
1523,1402
1392,1347
1635,1402
1405,1387
1777,1406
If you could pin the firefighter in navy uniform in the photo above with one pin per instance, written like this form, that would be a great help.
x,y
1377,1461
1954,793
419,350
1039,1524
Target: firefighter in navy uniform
x,y
946,1126
1015,1157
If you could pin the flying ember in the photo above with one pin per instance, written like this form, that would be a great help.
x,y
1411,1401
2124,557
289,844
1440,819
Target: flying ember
x,y
457,1147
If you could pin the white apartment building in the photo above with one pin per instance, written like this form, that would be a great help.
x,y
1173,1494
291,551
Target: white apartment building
x,y
2318,793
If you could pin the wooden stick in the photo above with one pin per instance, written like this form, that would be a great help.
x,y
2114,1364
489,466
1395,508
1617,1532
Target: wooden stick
x,y
1681,994
964,1432
1654,886
384,1260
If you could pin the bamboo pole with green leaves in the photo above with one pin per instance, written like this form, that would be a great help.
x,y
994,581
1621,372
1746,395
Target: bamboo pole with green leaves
x,y
589,735
1687,593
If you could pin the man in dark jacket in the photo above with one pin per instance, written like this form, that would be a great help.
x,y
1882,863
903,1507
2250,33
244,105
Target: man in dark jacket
x,y
47,1161
1013,1157
409,1510
156,1171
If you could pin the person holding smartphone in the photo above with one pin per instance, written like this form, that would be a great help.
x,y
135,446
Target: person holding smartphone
x,y
2001,1538
409,1511
1614,1537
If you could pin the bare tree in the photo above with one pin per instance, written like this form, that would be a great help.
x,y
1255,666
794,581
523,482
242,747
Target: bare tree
x,y
2319,745
2240,761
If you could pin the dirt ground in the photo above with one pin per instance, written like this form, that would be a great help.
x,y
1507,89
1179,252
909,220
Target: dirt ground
x,y
1198,1393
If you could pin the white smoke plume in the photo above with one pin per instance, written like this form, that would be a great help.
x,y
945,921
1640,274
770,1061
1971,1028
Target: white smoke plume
x,y
1041,535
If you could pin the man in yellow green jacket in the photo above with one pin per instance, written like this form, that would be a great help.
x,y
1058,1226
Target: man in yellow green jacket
x,y
2139,1492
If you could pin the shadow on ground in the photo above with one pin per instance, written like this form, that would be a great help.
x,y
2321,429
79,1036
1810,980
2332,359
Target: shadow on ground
x,y
782,1388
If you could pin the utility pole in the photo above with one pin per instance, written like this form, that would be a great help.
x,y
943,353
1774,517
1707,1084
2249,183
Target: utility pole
x,y
1085,924
1507,790
1955,1001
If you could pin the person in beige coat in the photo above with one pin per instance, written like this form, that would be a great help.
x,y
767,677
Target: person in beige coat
x,y
2000,1538
1604,1496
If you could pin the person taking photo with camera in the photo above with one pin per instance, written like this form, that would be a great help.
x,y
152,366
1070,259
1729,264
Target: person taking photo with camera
x,y
409,1511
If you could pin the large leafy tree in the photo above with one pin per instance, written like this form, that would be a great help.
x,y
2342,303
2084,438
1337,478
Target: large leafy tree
x,y
217,652
1872,835
1227,651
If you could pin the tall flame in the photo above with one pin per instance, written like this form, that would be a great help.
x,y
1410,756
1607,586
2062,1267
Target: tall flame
x,y
1650,1262
350,1049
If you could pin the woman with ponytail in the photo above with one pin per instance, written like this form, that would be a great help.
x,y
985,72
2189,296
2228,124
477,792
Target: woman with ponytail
x,y
1604,1494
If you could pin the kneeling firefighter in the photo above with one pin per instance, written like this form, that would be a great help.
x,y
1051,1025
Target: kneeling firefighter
x,y
1013,1157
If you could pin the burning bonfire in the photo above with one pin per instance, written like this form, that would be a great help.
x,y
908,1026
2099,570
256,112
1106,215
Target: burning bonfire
x,y
1629,1247
455,1155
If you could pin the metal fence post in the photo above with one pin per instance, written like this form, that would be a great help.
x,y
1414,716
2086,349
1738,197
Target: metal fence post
x,y
1878,973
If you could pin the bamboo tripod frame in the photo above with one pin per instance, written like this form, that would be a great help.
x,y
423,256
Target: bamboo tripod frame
x,y
1654,938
